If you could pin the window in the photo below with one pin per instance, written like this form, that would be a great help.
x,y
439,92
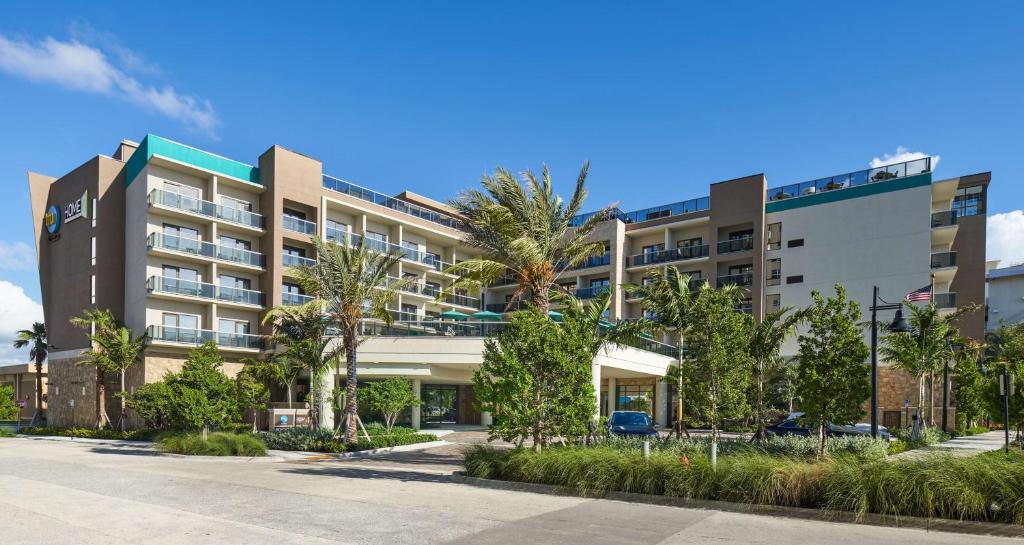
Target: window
x,y
234,243
180,328
93,261
410,250
232,203
599,282
92,288
294,214
336,230
773,302
180,280
233,282
432,258
293,251
653,249
409,312
795,279
292,289
650,315
690,242
774,236
795,243
740,235
634,397
373,235
181,190
741,269
232,327
969,201
646,281
774,272
172,230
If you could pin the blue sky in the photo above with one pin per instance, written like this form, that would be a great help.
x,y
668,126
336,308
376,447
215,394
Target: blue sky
x,y
663,98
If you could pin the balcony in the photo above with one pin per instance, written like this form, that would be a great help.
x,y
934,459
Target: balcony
x,y
591,292
408,254
462,300
298,225
942,260
341,186
196,337
202,290
851,179
594,261
667,256
290,299
502,308
291,260
741,244
944,300
944,219
207,209
196,247
743,279
646,214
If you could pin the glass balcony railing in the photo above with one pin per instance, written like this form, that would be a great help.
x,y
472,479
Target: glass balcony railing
x,y
669,255
339,236
944,219
591,292
462,300
743,279
944,300
741,244
943,259
341,186
205,208
298,225
502,308
202,336
292,260
292,299
203,290
595,261
655,212
198,247
385,247
851,179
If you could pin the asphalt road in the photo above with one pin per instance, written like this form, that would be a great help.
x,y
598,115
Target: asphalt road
x,y
60,492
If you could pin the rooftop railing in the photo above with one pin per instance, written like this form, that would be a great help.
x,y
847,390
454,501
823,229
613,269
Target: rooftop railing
x,y
205,249
851,179
202,336
205,208
369,195
655,212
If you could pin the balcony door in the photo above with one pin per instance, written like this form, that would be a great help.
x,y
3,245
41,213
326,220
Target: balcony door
x,y
183,328
180,280
183,239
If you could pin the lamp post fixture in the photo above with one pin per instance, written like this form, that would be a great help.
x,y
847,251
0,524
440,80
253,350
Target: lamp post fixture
x,y
899,324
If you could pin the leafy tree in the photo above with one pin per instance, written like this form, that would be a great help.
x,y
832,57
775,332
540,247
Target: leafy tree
x,y
832,380
717,342
525,229
969,385
536,379
36,340
765,343
780,388
250,392
152,402
1004,349
351,283
669,298
202,396
115,350
390,397
97,322
8,405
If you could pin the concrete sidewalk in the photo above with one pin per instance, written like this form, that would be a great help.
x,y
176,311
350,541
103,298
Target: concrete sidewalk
x,y
969,445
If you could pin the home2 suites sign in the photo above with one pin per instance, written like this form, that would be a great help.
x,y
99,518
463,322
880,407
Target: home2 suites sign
x,y
55,217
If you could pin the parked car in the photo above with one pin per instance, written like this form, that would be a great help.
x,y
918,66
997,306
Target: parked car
x,y
792,425
631,424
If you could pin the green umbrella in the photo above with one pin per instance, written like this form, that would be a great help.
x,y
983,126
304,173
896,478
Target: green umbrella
x,y
453,315
555,315
486,316
605,323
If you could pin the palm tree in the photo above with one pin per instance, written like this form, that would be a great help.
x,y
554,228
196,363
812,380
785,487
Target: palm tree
x,y
669,298
97,322
115,350
351,283
526,230
303,332
765,342
36,337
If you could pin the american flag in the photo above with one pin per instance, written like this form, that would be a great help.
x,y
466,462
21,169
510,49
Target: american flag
x,y
920,294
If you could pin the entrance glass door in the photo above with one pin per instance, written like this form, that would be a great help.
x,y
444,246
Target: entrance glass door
x,y
440,404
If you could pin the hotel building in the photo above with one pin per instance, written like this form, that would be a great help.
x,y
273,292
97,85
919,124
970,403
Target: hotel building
x,y
191,246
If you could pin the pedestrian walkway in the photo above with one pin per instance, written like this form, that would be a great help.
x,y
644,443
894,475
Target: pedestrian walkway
x,y
968,445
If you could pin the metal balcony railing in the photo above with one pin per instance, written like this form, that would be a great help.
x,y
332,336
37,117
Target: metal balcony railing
x,y
943,259
506,307
944,219
203,290
205,249
298,225
594,261
666,256
369,195
741,244
744,279
646,214
205,208
591,292
202,336
851,179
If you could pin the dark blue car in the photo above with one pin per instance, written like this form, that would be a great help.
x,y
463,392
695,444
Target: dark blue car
x,y
631,424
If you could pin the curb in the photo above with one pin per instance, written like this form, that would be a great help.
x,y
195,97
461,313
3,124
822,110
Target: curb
x,y
870,519
307,456
238,459
87,440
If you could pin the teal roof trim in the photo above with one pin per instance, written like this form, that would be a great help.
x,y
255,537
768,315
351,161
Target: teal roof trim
x,y
154,145
849,193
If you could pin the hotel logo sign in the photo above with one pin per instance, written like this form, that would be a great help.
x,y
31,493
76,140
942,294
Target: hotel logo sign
x,y
56,217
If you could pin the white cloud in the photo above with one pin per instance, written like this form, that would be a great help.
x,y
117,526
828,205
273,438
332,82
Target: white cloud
x,y
17,256
1005,238
902,155
81,67
17,312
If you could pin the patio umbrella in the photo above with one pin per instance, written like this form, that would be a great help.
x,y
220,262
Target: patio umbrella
x,y
487,316
605,323
454,315
555,315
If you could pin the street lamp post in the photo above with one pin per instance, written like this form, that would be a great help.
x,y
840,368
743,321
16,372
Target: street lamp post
x,y
899,324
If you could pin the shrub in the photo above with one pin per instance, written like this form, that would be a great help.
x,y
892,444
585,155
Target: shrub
x,y
8,405
794,446
6,433
90,433
217,444
897,446
318,440
975,430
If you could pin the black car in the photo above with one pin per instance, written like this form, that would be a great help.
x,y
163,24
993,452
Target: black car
x,y
793,426
631,424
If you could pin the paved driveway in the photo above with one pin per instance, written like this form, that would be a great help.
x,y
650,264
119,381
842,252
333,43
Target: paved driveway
x,y
60,492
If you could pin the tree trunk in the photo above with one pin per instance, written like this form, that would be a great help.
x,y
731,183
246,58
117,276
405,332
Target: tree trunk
x,y
102,420
931,398
538,422
206,431
120,418
289,388
920,401
37,418
351,403
759,409
823,438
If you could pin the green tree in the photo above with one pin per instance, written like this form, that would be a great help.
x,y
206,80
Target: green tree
x,y
351,283
116,350
202,396
250,393
669,298
8,405
390,397
97,322
765,343
153,403
832,379
969,384
35,339
1004,349
524,229
718,342
536,379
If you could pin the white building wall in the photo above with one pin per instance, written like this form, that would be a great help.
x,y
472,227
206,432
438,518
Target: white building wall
x,y
1005,300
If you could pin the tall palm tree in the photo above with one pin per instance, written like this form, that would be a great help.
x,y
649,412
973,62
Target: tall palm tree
x,y
765,343
36,337
115,350
669,299
351,283
526,229
97,322
303,333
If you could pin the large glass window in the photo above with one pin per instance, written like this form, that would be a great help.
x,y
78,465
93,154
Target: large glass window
x,y
634,397
773,276
969,201
234,243
774,236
